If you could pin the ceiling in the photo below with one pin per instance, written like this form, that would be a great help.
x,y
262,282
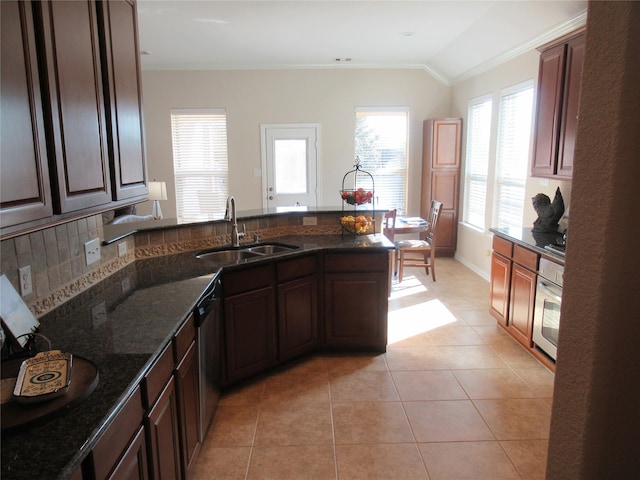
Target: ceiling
x,y
452,40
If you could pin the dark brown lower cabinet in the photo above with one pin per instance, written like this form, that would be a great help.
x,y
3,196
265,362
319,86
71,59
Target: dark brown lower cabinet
x,y
499,288
187,376
250,333
521,304
297,292
121,451
355,300
133,464
164,435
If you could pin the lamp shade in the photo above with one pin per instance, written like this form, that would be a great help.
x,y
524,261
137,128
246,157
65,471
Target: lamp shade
x,y
157,190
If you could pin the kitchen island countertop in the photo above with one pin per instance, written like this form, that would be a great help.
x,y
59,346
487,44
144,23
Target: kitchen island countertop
x,y
121,325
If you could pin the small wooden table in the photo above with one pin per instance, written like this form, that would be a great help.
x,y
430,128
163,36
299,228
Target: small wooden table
x,y
410,225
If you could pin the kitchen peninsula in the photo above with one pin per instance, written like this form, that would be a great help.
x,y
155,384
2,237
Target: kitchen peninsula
x,y
128,322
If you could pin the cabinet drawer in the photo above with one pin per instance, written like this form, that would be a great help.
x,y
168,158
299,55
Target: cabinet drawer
x,y
247,280
525,257
117,436
354,262
184,337
295,268
156,378
502,246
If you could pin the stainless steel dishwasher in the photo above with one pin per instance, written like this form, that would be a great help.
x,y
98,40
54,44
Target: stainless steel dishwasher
x,y
208,313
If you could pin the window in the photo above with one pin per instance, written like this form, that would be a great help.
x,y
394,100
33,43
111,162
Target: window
x,y
200,163
514,139
381,146
477,162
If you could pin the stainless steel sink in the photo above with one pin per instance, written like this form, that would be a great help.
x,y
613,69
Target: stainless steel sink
x,y
228,256
240,255
270,249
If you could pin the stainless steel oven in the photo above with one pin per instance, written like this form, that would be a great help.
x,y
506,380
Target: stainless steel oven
x,y
546,321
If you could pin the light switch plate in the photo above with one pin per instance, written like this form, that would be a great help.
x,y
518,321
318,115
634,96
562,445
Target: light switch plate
x,y
92,251
122,249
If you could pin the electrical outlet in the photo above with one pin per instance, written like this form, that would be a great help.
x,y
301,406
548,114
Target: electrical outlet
x,y
122,249
99,315
92,251
309,221
26,282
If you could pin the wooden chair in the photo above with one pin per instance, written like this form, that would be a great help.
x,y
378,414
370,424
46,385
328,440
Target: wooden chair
x,y
420,253
389,224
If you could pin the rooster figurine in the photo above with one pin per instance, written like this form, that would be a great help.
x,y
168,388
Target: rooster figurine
x,y
549,213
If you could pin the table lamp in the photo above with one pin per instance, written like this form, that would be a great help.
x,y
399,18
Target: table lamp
x,y
157,192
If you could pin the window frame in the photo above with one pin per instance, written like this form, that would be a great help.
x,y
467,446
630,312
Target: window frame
x,y
217,155
471,176
509,181
384,176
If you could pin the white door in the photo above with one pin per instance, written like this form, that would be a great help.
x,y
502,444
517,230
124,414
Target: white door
x,y
289,165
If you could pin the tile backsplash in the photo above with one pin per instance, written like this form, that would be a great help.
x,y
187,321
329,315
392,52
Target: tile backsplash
x,y
59,269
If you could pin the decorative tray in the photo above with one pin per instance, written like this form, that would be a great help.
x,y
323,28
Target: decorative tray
x,y
45,376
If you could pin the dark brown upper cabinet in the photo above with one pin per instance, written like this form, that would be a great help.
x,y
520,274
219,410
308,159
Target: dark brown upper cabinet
x,y
559,77
25,192
123,97
72,124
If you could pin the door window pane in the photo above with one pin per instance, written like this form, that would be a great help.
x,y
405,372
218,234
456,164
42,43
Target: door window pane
x,y
290,158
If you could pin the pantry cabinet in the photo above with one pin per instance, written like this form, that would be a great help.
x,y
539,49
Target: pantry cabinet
x,y
72,130
559,77
441,144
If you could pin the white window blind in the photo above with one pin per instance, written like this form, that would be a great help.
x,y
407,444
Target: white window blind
x,y
382,146
477,161
200,163
514,137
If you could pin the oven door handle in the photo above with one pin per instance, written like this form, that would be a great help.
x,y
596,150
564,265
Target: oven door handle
x,y
549,292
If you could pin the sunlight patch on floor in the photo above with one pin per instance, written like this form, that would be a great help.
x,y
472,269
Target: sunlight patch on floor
x,y
414,320
410,286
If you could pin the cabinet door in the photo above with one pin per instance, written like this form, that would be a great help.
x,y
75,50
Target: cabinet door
x,y
250,333
164,435
550,79
133,464
297,317
356,310
75,97
123,98
442,140
118,449
573,76
25,193
188,387
523,291
499,288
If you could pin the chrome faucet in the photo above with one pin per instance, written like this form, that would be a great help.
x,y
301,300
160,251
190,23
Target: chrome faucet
x,y
230,216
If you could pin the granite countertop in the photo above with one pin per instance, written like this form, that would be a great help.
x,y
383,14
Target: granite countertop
x,y
533,240
121,325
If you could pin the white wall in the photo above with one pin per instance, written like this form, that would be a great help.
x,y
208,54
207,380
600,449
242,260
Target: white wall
x,y
327,97
474,246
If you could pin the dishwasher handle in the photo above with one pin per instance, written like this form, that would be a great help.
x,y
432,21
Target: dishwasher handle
x,y
207,301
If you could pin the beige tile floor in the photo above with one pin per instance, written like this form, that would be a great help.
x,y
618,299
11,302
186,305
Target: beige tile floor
x,y
454,397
